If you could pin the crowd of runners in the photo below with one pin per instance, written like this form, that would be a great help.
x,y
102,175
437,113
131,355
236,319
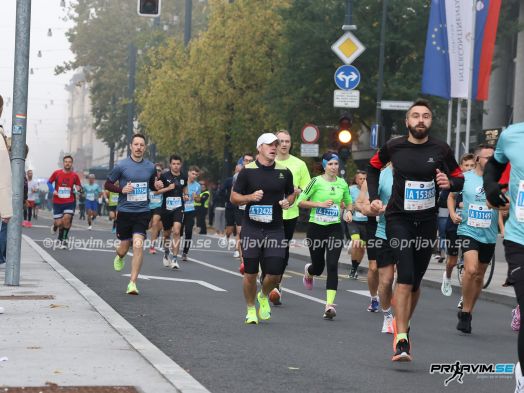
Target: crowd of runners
x,y
412,189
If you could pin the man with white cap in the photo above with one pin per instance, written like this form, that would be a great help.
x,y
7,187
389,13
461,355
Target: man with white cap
x,y
266,188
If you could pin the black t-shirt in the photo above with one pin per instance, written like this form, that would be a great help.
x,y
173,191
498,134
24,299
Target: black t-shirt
x,y
276,181
415,190
180,182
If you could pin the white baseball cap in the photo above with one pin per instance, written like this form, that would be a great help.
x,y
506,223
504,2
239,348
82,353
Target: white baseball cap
x,y
266,139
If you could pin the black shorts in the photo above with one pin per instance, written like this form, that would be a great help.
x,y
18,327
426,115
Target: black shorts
x,y
239,216
169,217
358,228
514,253
230,216
371,229
485,250
385,254
129,224
111,208
263,246
452,243
157,211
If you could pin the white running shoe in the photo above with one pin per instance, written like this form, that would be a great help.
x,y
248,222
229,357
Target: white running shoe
x,y
236,254
90,227
460,303
174,263
446,287
165,261
519,379
387,326
1,310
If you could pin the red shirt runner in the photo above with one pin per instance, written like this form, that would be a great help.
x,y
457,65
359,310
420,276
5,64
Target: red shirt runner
x,y
63,183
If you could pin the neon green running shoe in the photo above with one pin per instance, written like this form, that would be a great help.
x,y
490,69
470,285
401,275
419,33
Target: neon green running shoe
x,y
118,263
251,316
131,288
264,311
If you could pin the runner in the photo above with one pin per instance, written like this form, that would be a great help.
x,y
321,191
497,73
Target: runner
x,y
301,179
455,205
266,188
385,258
357,228
155,205
192,196
32,193
93,192
63,181
172,213
327,196
112,198
422,166
138,175
509,149
477,233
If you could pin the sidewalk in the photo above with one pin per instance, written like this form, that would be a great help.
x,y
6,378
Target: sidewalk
x,y
433,278
55,330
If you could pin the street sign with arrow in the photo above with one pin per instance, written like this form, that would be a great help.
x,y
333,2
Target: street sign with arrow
x,y
347,77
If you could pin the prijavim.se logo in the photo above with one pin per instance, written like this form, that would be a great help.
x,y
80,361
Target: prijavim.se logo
x,y
457,370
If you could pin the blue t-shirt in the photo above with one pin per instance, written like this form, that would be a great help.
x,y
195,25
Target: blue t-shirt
x,y
478,222
355,191
192,188
155,201
139,174
385,185
92,191
509,149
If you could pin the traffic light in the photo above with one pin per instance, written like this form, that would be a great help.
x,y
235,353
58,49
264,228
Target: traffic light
x,y
344,136
149,8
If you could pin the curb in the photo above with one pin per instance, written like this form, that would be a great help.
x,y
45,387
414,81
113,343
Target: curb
x,y
181,380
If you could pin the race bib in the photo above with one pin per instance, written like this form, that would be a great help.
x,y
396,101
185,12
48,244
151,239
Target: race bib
x,y
90,196
479,216
114,198
419,195
173,203
64,192
519,205
189,206
139,193
261,213
154,198
358,214
327,214
242,207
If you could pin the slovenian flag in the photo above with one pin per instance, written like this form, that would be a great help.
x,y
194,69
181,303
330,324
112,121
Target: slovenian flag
x,y
447,60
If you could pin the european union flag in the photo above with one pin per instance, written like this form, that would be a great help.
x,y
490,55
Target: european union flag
x,y
435,78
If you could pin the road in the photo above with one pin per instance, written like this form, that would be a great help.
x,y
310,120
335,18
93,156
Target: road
x,y
200,326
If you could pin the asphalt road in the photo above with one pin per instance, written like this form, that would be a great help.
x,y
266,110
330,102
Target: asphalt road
x,y
202,328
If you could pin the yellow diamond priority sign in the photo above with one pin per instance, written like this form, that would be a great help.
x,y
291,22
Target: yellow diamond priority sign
x,y
348,48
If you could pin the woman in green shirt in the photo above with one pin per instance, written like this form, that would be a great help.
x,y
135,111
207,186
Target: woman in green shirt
x,y
327,196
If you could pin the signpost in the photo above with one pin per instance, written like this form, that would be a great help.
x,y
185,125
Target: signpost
x,y
348,48
309,150
373,140
395,105
347,77
310,133
346,98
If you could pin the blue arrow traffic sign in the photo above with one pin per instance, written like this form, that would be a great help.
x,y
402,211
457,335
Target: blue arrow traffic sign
x,y
373,140
347,77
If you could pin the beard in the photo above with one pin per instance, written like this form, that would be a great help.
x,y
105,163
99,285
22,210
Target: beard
x,y
418,133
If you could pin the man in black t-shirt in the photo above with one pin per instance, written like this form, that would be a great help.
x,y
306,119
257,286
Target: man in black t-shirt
x,y
423,166
172,213
266,188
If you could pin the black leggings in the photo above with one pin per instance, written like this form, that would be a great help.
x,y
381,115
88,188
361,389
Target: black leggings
x,y
326,242
189,223
289,230
514,253
412,243
28,213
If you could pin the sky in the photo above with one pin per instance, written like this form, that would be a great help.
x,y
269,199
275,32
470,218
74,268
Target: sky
x,y
47,101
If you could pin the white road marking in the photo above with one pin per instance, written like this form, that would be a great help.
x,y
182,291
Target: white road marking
x,y
363,293
199,282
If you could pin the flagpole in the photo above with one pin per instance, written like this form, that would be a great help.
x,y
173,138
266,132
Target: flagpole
x,y
450,115
470,82
457,130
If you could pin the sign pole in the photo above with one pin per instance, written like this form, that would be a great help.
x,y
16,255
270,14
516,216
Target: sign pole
x,y
380,83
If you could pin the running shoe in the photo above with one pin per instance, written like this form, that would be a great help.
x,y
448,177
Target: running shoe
x,y
236,254
90,227
152,250
373,307
275,296
330,312
184,257
464,322
519,379
53,229
446,288
118,263
63,245
402,352
308,278
131,288
1,310
460,303
251,316
264,310
353,274
173,263
387,326
165,259
515,319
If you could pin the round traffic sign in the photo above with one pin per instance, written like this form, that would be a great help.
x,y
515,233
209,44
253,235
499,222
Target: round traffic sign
x,y
310,133
347,77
